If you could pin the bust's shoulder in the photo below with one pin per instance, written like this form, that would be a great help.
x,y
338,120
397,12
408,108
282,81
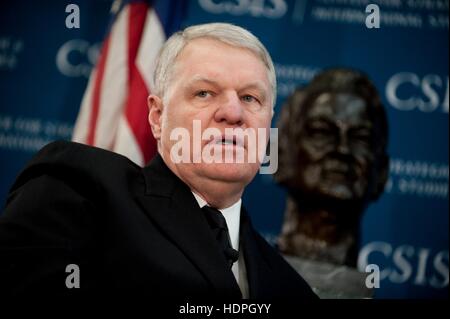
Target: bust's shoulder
x,y
70,160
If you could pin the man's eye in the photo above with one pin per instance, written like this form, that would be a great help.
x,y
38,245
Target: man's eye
x,y
249,98
202,94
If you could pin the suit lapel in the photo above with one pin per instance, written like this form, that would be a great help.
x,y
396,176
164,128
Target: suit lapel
x,y
171,205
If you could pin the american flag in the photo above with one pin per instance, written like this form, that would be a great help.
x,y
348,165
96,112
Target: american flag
x,y
113,113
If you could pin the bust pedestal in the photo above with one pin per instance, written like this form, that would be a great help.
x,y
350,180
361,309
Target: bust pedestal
x,y
330,281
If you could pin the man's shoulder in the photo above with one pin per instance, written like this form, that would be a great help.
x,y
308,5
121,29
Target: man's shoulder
x,y
71,151
69,159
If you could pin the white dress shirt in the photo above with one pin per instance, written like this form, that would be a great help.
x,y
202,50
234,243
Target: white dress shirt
x,y
232,216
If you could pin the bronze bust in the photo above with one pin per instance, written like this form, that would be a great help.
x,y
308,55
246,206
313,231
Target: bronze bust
x,y
333,162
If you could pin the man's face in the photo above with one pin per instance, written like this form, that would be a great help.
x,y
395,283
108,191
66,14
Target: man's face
x,y
223,87
336,147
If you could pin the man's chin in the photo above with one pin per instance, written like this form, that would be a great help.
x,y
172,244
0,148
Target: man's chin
x,y
230,172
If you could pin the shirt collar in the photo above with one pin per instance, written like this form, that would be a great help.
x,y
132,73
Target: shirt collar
x,y
232,216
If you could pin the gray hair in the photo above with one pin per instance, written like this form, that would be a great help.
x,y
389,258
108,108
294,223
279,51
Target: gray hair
x,y
223,32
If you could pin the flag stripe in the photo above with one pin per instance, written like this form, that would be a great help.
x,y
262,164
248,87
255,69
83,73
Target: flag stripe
x,y
126,143
135,114
96,93
151,42
80,130
114,84
136,109
136,22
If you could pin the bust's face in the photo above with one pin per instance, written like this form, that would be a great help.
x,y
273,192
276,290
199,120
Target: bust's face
x,y
335,148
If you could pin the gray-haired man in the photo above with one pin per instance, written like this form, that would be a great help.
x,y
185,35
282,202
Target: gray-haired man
x,y
174,228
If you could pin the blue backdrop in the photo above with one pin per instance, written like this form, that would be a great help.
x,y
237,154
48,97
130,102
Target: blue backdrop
x,y
44,68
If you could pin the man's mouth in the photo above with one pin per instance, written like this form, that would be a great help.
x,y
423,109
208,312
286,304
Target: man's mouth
x,y
227,140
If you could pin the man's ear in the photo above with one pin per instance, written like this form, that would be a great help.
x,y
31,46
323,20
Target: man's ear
x,y
155,108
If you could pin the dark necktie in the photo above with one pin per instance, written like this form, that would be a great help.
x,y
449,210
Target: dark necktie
x,y
220,230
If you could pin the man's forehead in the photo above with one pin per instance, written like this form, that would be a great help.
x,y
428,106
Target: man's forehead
x,y
197,46
207,67
214,80
208,47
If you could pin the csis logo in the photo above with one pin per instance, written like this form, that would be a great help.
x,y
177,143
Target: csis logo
x,y
407,91
272,9
406,263
77,57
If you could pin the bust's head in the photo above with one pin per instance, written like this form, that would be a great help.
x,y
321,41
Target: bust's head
x,y
333,139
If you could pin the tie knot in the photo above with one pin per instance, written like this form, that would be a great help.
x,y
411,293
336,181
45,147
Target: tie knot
x,y
214,218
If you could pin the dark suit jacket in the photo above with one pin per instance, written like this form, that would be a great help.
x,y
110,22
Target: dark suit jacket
x,y
129,229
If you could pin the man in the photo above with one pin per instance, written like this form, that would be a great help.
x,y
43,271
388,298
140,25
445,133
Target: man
x,y
333,162
147,231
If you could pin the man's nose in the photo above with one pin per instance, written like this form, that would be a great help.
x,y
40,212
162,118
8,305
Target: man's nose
x,y
230,110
